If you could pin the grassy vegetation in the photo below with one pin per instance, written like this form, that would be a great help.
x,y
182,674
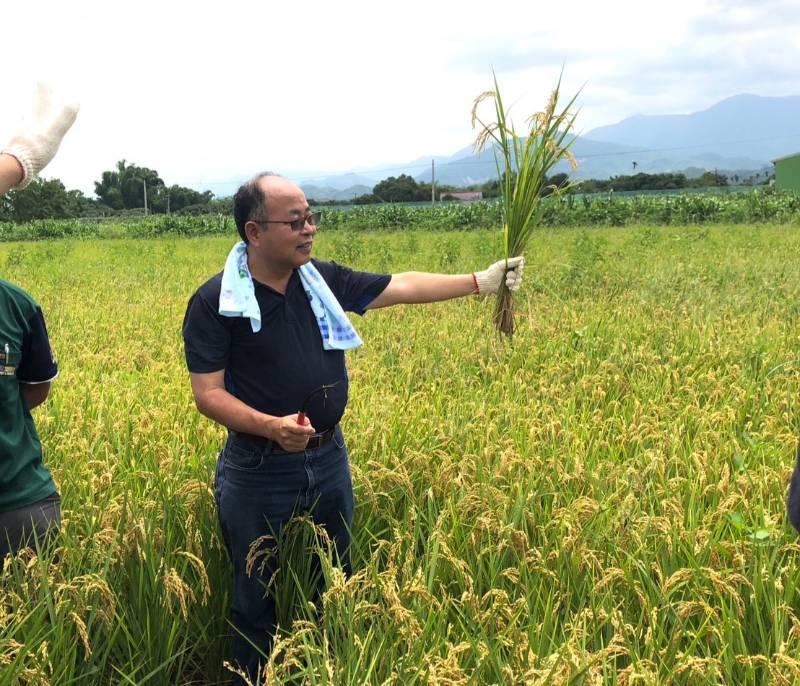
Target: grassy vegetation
x,y
600,503
576,210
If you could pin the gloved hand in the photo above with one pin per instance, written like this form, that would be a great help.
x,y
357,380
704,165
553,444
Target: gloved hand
x,y
42,130
489,280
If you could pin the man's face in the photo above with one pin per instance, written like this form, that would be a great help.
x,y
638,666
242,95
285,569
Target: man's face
x,y
276,244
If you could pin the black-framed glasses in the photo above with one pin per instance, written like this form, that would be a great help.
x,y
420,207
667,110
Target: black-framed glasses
x,y
313,218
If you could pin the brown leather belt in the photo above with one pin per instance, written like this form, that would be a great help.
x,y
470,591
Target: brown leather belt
x,y
316,441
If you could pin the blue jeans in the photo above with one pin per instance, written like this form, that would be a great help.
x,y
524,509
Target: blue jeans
x,y
257,492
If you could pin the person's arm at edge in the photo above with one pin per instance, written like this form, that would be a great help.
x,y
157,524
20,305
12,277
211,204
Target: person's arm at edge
x,y
34,394
11,173
32,148
412,288
216,403
37,367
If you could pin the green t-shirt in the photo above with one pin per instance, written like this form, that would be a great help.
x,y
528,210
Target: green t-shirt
x,y
25,357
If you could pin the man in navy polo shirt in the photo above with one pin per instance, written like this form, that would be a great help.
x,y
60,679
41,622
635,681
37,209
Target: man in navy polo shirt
x,y
275,464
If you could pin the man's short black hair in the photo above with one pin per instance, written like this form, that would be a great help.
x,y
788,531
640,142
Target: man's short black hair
x,y
250,202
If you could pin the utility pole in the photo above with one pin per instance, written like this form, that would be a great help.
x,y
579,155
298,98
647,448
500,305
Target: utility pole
x,y
144,184
433,184
167,202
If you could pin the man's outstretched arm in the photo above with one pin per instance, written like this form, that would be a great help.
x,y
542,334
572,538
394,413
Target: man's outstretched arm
x,y
411,288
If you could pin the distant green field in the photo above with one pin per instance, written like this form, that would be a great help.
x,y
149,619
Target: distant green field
x,y
601,209
601,502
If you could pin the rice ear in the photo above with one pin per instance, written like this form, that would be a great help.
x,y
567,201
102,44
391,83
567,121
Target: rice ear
x,y
483,96
485,135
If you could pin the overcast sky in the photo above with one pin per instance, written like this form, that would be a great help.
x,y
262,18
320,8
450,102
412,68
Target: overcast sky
x,y
207,92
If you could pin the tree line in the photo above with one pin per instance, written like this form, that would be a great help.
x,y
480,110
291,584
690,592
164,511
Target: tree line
x,y
405,188
127,189
122,191
653,182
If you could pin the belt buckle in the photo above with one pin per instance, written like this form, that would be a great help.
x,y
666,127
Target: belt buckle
x,y
320,439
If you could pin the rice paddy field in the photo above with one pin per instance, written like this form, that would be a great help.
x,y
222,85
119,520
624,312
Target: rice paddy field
x,y
599,502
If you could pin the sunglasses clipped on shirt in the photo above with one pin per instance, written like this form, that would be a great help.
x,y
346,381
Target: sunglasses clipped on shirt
x,y
313,218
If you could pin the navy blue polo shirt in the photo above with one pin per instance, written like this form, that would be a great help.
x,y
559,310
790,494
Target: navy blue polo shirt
x,y
278,369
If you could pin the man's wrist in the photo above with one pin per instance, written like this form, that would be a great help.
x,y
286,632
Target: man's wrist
x,y
484,282
14,166
269,426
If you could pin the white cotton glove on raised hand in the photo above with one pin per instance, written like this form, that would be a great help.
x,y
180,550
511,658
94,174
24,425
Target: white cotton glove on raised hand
x,y
41,133
489,280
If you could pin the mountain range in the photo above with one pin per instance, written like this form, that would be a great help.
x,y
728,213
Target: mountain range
x,y
741,134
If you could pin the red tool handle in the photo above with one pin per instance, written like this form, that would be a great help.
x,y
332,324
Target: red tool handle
x,y
301,418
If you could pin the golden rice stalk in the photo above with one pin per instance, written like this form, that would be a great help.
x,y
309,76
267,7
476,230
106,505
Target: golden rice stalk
x,y
83,634
175,587
523,161
264,547
200,569
9,648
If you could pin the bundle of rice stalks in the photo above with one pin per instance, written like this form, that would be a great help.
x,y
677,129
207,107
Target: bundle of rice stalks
x,y
523,164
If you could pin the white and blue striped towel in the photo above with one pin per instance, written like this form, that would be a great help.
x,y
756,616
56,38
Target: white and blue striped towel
x,y
237,298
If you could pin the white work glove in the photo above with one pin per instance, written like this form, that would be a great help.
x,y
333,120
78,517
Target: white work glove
x,y
489,280
42,130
